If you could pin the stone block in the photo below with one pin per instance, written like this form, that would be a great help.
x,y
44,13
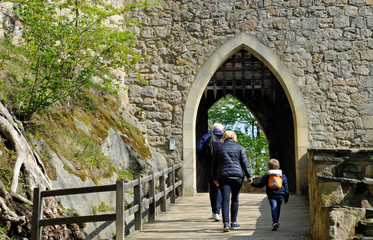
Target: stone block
x,y
281,23
369,135
370,21
367,122
331,193
324,170
310,23
343,222
351,10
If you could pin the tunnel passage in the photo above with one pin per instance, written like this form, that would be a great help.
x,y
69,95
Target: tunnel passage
x,y
249,80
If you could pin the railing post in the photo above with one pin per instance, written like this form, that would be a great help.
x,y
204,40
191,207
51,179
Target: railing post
x,y
36,215
137,199
162,183
119,210
152,205
181,187
172,182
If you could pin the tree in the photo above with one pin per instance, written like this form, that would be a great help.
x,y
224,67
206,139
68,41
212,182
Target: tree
x,y
237,117
67,43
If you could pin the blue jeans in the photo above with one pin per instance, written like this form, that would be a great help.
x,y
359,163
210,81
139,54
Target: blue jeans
x,y
215,195
275,203
228,185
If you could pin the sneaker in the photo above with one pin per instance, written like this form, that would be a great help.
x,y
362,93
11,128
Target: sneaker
x,y
235,225
216,217
275,226
226,227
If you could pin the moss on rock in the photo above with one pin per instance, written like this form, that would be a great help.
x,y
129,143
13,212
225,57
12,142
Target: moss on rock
x,y
59,131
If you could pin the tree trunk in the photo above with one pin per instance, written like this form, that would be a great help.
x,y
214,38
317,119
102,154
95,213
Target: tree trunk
x,y
26,159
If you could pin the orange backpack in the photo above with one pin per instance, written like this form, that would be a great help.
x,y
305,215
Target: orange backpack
x,y
275,182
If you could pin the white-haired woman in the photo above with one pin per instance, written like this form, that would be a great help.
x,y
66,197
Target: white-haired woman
x,y
228,168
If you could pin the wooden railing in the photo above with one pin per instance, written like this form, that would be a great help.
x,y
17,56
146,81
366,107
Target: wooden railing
x,y
138,207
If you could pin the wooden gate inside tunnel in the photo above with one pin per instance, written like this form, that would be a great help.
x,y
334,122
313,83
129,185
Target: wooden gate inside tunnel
x,y
251,82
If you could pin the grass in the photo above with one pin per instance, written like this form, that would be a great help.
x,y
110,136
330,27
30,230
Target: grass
x,y
102,208
125,175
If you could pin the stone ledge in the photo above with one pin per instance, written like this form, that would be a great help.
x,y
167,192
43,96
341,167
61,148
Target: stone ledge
x,y
340,150
326,159
368,181
330,159
345,207
339,179
368,223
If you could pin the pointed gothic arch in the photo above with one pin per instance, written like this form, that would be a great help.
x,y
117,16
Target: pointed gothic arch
x,y
293,94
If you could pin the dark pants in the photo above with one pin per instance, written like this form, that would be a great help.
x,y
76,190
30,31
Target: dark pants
x,y
228,186
275,203
215,195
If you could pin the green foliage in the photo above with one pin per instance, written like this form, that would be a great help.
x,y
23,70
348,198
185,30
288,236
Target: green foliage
x,y
102,208
7,48
88,153
3,233
72,45
23,186
7,161
3,230
256,151
236,117
69,212
231,113
125,175
62,137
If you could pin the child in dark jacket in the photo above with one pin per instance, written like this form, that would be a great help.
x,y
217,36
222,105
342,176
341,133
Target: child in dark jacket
x,y
275,194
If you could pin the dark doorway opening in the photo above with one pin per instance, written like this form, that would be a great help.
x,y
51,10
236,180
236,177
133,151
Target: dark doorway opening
x,y
250,81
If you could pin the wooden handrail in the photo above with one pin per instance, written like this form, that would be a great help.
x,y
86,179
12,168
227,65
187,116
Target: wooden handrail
x,y
120,187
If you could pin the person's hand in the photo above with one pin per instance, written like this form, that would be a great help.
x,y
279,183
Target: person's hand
x,y
286,202
216,183
250,180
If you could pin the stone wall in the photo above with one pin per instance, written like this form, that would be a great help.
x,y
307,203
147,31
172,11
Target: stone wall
x,y
340,191
326,45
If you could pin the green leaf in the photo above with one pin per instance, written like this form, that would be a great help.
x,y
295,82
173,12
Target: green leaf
x,y
236,117
68,43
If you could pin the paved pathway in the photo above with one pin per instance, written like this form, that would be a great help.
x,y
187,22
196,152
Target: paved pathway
x,y
190,218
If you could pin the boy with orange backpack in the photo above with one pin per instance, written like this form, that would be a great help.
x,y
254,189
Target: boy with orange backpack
x,y
276,189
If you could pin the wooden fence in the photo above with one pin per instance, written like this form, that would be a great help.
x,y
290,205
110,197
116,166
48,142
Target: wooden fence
x,y
142,201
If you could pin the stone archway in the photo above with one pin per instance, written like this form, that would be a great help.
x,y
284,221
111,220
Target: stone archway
x,y
263,53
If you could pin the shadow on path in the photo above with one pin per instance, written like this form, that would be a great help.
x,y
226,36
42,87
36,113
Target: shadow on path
x,y
190,218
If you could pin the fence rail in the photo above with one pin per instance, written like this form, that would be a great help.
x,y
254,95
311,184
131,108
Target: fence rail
x,y
120,214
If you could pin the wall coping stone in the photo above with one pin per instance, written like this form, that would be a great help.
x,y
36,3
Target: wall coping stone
x,y
339,150
339,179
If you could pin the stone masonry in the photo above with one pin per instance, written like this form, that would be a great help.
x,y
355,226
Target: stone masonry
x,y
326,46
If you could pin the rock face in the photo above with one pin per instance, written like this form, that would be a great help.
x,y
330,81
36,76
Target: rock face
x,y
123,155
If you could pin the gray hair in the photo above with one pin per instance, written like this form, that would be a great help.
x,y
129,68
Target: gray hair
x,y
218,126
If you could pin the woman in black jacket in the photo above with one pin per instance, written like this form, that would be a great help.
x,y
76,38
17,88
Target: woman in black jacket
x,y
229,165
